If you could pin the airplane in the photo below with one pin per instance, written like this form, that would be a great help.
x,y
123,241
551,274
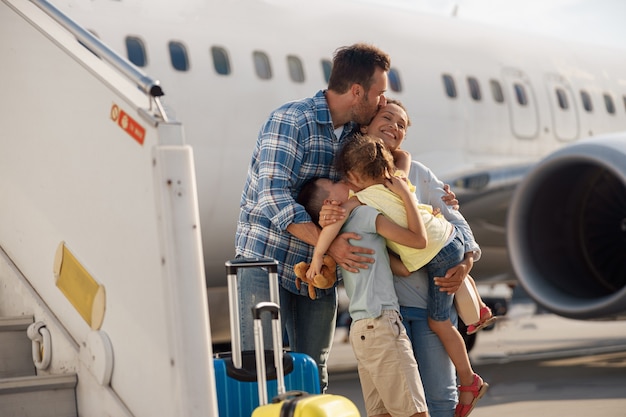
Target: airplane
x,y
486,105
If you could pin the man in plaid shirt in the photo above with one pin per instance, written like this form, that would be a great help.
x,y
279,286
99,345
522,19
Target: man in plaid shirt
x,y
297,143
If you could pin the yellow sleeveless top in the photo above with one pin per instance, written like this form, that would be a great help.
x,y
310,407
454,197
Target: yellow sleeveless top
x,y
438,229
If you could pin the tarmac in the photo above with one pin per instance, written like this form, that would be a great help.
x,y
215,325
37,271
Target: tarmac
x,y
522,334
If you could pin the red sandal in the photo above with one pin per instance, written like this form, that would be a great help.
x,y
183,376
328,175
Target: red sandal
x,y
484,322
478,389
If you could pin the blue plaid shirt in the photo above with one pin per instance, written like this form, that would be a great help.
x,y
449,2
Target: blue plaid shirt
x,y
296,143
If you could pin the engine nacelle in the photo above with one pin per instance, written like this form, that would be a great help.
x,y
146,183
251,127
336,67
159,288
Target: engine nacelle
x,y
566,230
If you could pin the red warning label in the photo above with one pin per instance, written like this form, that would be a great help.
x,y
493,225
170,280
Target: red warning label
x,y
130,125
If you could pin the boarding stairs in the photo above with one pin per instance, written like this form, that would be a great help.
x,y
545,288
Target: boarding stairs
x,y
24,392
99,232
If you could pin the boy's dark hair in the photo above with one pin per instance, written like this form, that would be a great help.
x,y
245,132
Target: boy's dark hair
x,y
356,64
312,197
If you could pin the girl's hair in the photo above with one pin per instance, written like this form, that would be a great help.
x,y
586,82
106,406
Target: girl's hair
x,y
366,156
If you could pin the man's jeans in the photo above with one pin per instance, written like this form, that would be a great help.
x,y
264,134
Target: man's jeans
x,y
310,324
435,367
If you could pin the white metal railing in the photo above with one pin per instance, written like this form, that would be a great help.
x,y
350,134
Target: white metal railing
x,y
144,82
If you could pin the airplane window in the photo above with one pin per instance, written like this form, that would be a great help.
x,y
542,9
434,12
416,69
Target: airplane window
x,y
608,102
327,66
394,80
586,98
474,88
496,91
296,70
562,98
178,56
221,63
136,51
520,93
448,83
262,65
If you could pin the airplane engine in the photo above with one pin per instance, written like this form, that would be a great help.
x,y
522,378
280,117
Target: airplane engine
x,y
566,230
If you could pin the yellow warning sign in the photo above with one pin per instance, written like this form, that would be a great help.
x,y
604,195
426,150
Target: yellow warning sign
x,y
83,292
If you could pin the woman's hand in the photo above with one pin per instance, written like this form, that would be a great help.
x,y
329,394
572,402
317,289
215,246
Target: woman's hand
x,y
451,282
450,198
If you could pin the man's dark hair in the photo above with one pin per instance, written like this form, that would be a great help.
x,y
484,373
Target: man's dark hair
x,y
356,64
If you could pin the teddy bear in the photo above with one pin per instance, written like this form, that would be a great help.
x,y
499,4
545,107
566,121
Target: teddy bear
x,y
326,279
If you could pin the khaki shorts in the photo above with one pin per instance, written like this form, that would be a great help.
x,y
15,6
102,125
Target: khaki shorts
x,y
387,369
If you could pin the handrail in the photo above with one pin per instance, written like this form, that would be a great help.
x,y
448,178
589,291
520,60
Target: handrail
x,y
41,344
95,45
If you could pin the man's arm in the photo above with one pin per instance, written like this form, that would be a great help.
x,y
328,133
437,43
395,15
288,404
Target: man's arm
x,y
279,150
307,232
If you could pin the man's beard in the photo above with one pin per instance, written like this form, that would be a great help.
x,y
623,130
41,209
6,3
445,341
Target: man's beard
x,y
362,114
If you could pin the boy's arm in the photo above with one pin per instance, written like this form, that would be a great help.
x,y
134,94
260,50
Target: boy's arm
x,y
397,266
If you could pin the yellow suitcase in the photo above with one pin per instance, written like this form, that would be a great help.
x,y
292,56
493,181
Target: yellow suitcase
x,y
290,403
301,404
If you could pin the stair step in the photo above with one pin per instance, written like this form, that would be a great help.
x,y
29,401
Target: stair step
x,y
39,396
16,357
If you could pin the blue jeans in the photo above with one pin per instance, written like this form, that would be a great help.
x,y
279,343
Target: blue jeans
x,y
439,302
436,369
310,324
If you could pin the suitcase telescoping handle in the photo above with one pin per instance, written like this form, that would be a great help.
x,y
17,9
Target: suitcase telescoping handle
x,y
259,349
233,297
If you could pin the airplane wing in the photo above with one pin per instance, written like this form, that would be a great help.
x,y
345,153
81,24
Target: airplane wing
x,y
484,196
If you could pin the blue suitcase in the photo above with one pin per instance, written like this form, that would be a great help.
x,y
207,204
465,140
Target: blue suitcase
x,y
239,389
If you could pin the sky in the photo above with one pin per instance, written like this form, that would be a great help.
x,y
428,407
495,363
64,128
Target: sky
x,y
594,21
